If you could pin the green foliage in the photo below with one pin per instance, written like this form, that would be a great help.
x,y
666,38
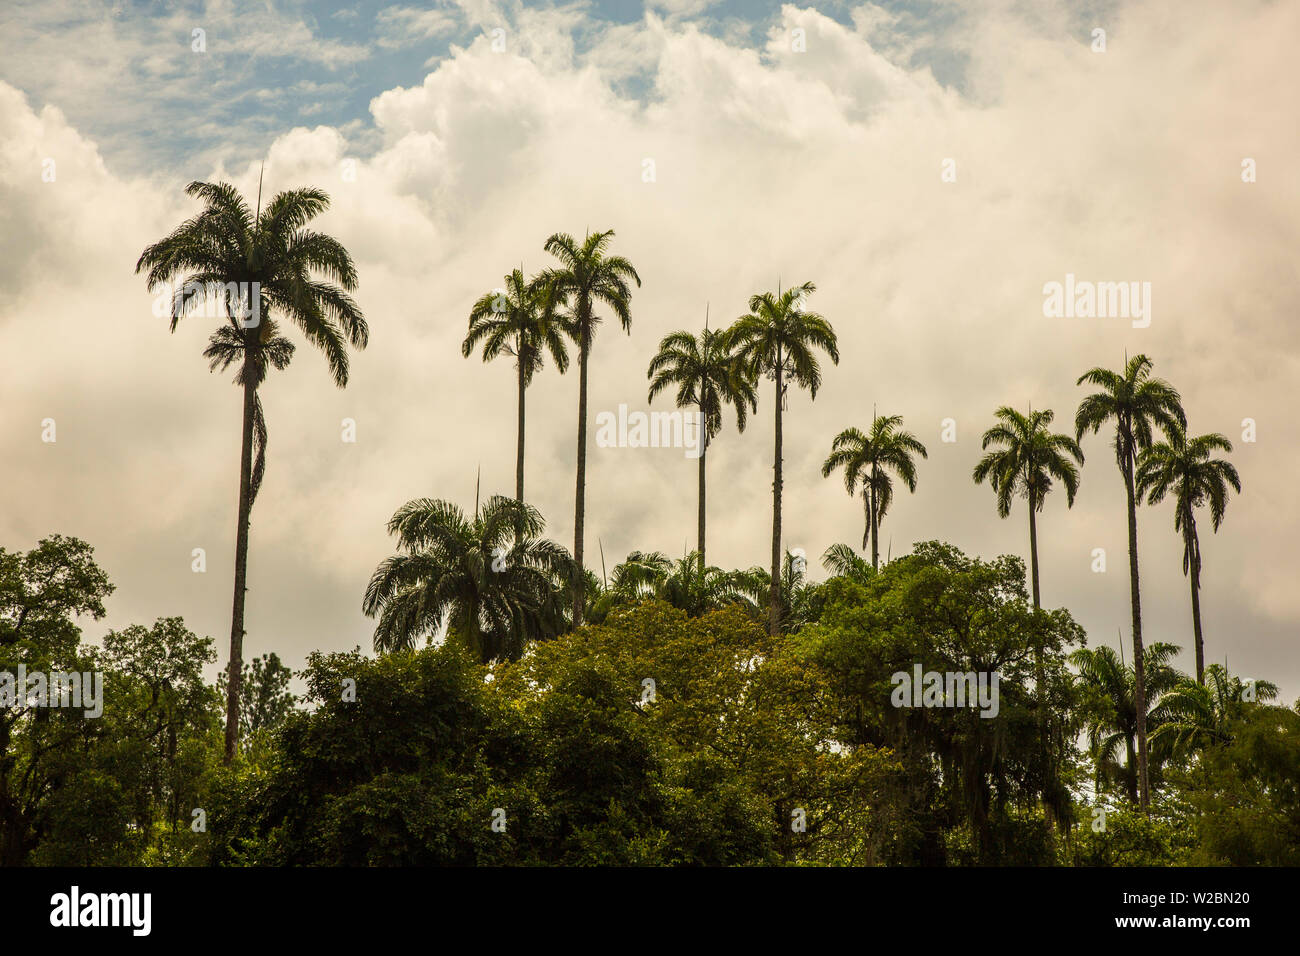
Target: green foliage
x,y
662,736
1245,791
586,767
1122,835
1108,712
492,580
653,576
946,612
265,700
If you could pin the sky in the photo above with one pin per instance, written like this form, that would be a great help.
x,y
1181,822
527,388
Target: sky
x,y
930,166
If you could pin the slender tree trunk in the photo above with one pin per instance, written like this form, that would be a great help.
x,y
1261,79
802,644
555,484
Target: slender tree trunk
x,y
1040,672
704,446
875,524
1033,552
519,441
1130,771
866,518
774,591
580,501
1195,568
234,672
1139,663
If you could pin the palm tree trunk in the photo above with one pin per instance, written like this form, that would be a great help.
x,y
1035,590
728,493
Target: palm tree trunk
x,y
1195,563
704,446
519,441
1139,664
234,672
1040,673
866,518
875,524
1033,552
580,500
1130,775
774,591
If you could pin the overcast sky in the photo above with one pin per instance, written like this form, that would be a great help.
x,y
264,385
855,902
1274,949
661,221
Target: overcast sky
x,y
771,163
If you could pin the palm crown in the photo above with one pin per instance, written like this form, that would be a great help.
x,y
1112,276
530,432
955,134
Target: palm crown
x,y
1195,715
586,278
868,460
1185,468
1113,729
778,333
518,321
706,375
1027,458
1134,401
226,242
491,579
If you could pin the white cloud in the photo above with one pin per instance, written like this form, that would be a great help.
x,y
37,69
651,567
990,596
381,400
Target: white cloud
x,y
403,26
771,165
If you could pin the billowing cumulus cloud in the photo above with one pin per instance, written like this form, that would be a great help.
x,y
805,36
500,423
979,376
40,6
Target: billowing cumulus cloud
x,y
772,161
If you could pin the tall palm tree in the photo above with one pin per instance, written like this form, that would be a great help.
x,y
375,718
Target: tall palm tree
x,y
1136,403
779,338
1026,458
1186,469
518,321
493,588
282,268
707,377
587,278
867,460
1115,728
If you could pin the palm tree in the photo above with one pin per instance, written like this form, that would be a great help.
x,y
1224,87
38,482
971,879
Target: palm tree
x,y
493,587
518,321
778,338
1193,716
707,377
843,562
653,576
639,575
797,597
1027,458
1185,468
586,278
1136,403
258,262
867,459
1115,727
